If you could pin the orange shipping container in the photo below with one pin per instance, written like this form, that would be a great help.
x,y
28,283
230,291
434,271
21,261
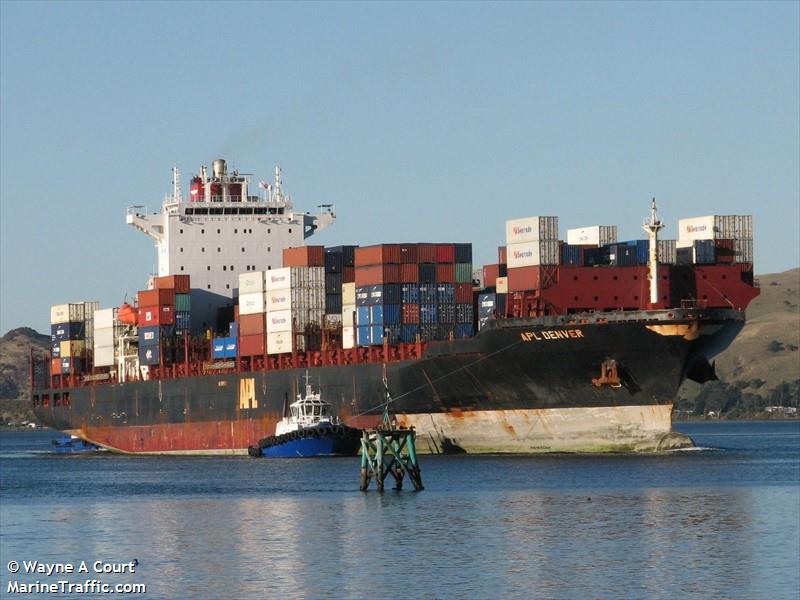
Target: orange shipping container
x,y
251,345
148,316
179,283
490,275
378,255
524,278
377,274
252,324
304,256
157,297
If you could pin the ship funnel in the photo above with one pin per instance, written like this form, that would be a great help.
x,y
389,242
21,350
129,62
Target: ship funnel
x,y
219,168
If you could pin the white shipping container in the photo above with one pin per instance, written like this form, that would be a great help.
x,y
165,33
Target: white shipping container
x,y
348,293
501,285
278,300
743,251
105,318
67,313
697,228
89,308
348,337
667,253
596,235
104,337
295,277
743,227
104,356
278,321
531,229
530,254
251,282
251,304
348,315
279,342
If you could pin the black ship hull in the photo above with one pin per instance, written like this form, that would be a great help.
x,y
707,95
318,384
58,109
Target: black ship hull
x,y
518,386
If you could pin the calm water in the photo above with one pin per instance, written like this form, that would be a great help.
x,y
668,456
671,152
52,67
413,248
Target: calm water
x,y
721,522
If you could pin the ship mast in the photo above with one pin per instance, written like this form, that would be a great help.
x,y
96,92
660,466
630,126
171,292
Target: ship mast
x,y
651,227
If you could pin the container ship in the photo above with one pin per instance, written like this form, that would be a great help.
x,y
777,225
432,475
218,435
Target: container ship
x,y
576,345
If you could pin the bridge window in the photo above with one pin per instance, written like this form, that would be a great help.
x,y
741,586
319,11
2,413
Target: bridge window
x,y
202,231
56,399
65,401
36,399
181,267
224,268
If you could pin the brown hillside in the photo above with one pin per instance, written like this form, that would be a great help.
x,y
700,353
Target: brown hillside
x,y
768,348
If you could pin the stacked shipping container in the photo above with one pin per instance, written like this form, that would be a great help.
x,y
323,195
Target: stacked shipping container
x,y
339,269
107,330
71,335
162,317
408,290
281,310
715,239
530,243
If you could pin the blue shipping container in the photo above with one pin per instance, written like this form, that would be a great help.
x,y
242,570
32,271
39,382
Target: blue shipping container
x,y
408,333
233,329
391,314
446,293
464,330
570,255
409,293
362,296
362,335
376,314
487,304
428,313
231,347
427,273
68,331
376,334
447,313
218,348
362,316
427,294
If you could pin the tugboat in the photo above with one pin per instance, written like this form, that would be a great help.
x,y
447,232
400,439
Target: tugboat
x,y
68,444
311,429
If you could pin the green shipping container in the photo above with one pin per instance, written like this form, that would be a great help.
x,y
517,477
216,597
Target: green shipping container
x,y
183,303
464,272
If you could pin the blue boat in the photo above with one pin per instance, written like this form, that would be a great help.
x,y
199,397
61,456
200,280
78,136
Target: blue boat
x,y
310,430
68,444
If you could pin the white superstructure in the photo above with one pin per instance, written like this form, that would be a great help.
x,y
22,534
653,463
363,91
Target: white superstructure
x,y
221,231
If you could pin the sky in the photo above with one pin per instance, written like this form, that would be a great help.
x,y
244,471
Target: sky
x,y
420,122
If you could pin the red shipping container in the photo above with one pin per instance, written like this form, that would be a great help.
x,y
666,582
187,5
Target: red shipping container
x,y
502,255
179,283
147,316
304,256
377,274
426,253
408,253
524,278
252,324
157,297
410,313
251,345
378,255
409,273
463,293
55,366
490,275
445,253
348,274
446,273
